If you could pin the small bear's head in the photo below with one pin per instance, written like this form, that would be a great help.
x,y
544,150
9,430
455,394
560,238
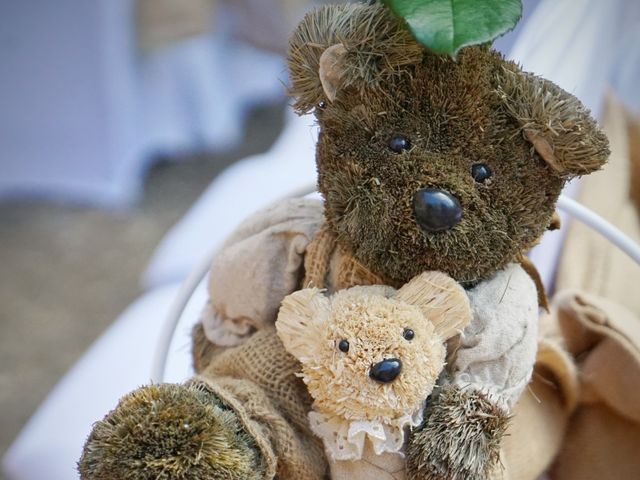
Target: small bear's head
x,y
371,352
428,162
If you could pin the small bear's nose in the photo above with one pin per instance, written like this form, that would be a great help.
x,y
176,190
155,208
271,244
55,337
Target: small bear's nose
x,y
436,210
386,371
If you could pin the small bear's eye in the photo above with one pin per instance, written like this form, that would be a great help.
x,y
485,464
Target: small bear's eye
x,y
408,334
399,143
481,172
343,346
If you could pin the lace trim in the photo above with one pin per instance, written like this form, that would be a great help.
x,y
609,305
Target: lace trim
x,y
345,440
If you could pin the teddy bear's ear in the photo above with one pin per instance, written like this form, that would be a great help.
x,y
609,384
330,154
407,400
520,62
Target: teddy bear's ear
x,y
299,319
442,300
348,45
332,69
557,124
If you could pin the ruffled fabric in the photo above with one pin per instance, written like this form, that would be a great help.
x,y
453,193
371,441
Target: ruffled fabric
x,y
345,440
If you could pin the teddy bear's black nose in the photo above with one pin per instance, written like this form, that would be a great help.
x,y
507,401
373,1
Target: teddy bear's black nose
x,y
436,210
386,371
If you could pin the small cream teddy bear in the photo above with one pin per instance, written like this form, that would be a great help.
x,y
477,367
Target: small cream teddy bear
x,y
370,357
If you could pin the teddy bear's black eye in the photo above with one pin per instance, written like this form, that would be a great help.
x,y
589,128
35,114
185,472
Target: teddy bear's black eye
x,y
399,143
481,172
343,346
408,334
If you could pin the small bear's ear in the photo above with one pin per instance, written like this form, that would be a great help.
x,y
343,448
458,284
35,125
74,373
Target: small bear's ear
x,y
348,45
299,319
558,125
442,300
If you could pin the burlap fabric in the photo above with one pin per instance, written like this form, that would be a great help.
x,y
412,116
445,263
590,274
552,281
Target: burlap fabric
x,y
258,378
327,265
258,381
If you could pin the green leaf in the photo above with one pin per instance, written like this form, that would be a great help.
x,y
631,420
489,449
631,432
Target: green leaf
x,y
445,26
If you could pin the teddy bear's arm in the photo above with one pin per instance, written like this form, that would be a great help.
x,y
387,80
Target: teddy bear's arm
x,y
260,263
466,420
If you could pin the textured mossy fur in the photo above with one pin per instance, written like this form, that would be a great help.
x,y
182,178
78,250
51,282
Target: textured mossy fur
x,y
358,28
170,432
476,108
459,439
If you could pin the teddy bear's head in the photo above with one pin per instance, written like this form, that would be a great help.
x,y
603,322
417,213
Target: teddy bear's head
x,y
427,162
373,353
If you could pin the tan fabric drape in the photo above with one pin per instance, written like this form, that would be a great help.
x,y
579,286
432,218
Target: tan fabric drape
x,y
603,435
162,22
589,261
634,158
265,24
581,413
580,418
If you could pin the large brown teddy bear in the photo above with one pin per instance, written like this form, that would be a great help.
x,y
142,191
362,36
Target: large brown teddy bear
x,y
425,162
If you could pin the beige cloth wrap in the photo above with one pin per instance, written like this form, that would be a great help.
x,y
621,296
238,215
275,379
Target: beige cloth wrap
x,y
496,352
259,264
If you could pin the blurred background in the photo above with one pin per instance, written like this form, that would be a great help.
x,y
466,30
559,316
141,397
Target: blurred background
x,y
119,118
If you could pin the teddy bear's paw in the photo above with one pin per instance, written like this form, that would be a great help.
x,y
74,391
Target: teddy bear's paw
x,y
170,431
459,439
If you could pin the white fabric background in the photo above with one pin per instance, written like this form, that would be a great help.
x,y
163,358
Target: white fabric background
x,y
83,112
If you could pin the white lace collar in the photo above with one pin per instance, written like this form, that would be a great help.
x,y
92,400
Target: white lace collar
x,y
345,440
